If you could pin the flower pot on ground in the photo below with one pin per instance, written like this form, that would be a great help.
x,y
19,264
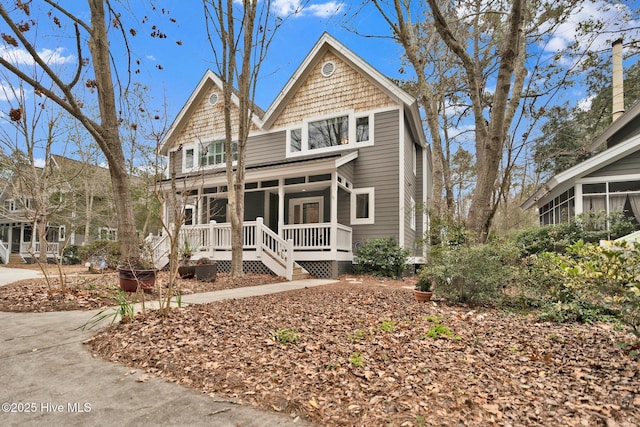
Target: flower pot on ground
x,y
206,270
131,278
423,290
187,271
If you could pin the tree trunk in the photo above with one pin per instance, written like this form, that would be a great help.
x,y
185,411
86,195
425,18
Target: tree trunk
x,y
109,132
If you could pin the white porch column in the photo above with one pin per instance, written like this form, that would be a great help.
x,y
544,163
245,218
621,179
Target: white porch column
x,y
280,206
577,198
259,226
334,213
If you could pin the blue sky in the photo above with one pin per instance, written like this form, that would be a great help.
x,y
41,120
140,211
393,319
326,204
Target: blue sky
x,y
185,55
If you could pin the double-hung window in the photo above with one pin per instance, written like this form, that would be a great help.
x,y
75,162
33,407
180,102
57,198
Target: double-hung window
x,y
214,153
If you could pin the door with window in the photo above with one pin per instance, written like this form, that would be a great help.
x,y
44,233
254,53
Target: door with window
x,y
308,210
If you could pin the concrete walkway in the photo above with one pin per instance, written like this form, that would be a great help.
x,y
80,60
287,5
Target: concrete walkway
x,y
10,275
48,377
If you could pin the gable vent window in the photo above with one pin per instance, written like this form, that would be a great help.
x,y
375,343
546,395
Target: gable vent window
x,y
328,68
213,99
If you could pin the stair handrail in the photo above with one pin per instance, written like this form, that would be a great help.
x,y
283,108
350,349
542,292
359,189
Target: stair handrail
x,y
4,252
282,250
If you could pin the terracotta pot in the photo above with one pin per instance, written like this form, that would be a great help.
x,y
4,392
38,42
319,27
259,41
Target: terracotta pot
x,y
187,271
206,272
421,296
131,278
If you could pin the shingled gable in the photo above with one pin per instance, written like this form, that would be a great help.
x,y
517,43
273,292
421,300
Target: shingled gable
x,y
329,45
195,104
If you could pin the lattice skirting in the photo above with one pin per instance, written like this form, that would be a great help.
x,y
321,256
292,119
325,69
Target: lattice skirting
x,y
327,269
255,267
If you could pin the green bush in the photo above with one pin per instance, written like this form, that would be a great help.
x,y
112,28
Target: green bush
x,y
100,249
70,255
472,275
382,257
592,283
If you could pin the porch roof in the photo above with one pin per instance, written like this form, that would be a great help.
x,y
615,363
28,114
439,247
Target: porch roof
x,y
283,167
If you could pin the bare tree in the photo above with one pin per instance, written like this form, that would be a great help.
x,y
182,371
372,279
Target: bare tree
x,y
64,93
239,35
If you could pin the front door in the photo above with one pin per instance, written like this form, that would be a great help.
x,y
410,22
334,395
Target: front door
x,y
308,210
15,240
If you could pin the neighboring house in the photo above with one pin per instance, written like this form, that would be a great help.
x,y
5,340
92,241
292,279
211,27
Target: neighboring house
x,y
607,182
79,209
339,158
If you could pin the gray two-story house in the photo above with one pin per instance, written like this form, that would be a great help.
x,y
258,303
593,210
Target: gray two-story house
x,y
339,158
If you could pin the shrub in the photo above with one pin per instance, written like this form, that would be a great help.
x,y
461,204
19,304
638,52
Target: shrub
x,y
473,275
592,283
70,255
382,257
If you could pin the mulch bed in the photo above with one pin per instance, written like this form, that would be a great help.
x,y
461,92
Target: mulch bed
x,y
92,291
361,354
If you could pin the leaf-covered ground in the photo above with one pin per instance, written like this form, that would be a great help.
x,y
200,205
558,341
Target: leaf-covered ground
x,y
365,354
90,291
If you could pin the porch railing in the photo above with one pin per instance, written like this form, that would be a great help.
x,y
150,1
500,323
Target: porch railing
x,y
313,237
52,248
276,252
4,252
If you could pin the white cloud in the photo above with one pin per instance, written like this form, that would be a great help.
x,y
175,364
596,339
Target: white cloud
x,y
295,8
22,57
39,163
6,92
585,103
614,25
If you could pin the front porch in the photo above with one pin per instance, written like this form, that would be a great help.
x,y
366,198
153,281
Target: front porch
x,y
325,245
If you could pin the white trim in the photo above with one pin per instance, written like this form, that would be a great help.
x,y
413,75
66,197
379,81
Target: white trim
x,y
371,191
350,145
425,199
415,159
609,178
401,189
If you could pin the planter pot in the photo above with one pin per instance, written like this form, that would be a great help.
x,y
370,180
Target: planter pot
x,y
421,296
187,271
130,279
206,272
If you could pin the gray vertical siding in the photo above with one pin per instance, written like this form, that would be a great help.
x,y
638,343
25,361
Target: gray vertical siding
x,y
625,166
409,189
378,166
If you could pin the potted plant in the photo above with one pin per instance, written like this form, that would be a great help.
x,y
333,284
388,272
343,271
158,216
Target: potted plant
x,y
134,273
186,270
424,288
206,270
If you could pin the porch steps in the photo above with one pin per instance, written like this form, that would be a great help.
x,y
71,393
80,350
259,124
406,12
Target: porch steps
x,y
299,273
16,259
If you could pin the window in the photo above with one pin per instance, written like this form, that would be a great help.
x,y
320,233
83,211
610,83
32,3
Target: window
x,y
329,132
415,160
328,68
9,205
62,233
333,133
412,214
362,129
214,153
189,212
362,206
295,140
189,156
